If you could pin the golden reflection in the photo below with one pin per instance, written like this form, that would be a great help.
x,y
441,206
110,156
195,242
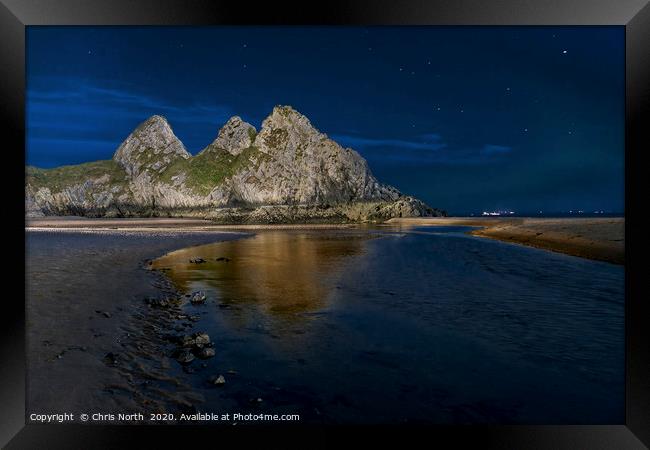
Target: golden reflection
x,y
283,272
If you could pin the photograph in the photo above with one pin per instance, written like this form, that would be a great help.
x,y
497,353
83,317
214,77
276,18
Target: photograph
x,y
325,225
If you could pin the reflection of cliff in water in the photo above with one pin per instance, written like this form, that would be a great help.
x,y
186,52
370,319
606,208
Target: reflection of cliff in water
x,y
283,272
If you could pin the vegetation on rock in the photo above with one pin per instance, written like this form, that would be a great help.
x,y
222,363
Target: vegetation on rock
x,y
286,172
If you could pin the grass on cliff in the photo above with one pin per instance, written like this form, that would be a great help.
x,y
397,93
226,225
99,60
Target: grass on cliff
x,y
59,178
211,167
203,172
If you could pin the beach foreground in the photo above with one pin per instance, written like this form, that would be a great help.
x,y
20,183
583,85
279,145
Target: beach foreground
x,y
85,312
396,323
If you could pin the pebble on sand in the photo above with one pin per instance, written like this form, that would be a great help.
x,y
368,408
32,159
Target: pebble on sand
x,y
197,298
218,381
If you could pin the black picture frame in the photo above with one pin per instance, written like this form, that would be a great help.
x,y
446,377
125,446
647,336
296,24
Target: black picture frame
x,y
634,15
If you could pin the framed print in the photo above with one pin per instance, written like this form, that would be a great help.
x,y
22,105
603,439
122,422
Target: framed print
x,y
273,224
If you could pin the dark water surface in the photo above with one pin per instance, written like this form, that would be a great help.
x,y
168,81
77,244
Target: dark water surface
x,y
84,295
427,326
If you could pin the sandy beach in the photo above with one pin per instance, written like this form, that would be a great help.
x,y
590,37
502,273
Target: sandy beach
x,y
283,302
86,316
162,224
601,239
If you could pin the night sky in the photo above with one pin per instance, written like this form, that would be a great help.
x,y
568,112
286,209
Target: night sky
x,y
465,118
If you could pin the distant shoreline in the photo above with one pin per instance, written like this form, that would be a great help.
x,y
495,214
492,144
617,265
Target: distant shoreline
x,y
601,238
161,224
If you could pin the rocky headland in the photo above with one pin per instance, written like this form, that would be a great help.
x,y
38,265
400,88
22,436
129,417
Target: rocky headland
x,y
288,172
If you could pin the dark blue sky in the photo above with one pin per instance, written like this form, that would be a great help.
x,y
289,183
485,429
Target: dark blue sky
x,y
465,118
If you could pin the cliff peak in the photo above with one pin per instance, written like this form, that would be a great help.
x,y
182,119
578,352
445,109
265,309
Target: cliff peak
x,y
289,171
152,146
235,136
286,129
157,118
287,114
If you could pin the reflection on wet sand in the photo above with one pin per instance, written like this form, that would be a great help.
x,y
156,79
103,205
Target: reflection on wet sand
x,y
283,272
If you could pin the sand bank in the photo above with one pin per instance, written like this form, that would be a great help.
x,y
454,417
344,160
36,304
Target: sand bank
x,y
160,224
84,309
601,239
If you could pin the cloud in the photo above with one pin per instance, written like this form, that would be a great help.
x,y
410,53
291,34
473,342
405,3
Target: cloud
x,y
72,116
68,114
490,149
86,101
431,142
431,137
427,148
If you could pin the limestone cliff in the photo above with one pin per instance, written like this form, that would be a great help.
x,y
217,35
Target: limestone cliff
x,y
288,172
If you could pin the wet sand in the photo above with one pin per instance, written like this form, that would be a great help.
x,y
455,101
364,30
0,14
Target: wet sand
x,y
86,282
92,337
93,345
601,239
158,223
